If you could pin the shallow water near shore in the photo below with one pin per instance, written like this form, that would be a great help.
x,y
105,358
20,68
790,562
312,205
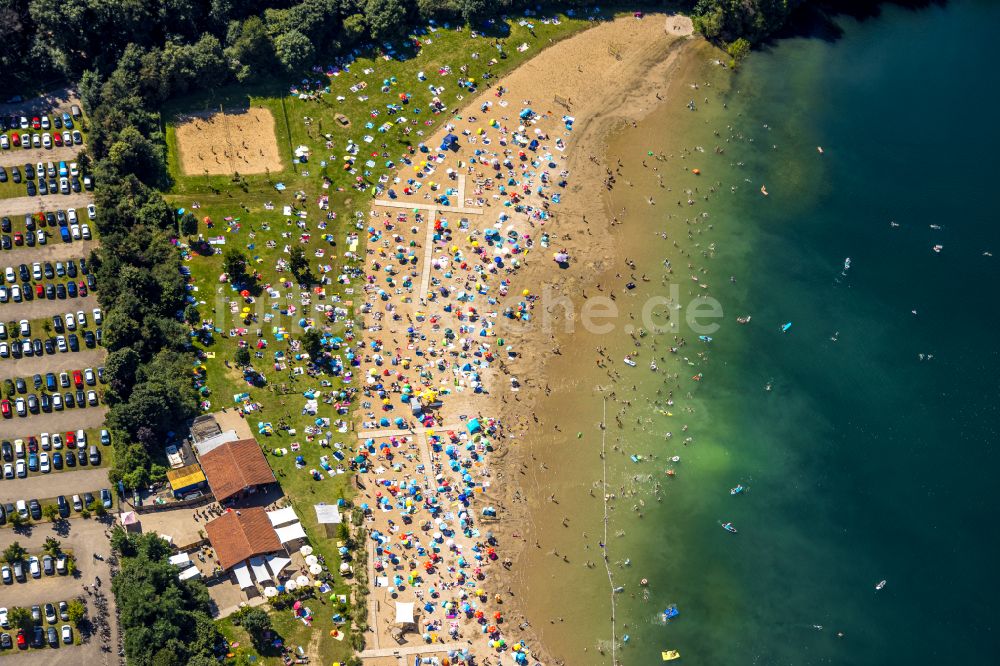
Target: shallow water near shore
x,y
861,462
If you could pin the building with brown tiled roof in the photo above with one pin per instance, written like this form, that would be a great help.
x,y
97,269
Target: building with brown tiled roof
x,y
236,467
239,535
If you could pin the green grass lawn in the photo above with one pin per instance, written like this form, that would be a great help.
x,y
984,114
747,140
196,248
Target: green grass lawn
x,y
220,197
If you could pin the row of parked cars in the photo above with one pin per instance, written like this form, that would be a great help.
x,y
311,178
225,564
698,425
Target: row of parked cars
x,y
65,224
33,509
22,457
40,634
78,379
42,121
47,403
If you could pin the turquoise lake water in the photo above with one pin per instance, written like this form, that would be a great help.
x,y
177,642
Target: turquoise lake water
x,y
862,462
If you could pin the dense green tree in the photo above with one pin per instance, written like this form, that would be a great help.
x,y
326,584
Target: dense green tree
x,y
242,357
256,623
386,18
474,11
298,262
312,343
15,552
355,28
133,152
21,618
294,50
189,224
234,263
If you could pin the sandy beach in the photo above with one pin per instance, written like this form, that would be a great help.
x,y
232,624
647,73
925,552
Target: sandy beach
x,y
460,251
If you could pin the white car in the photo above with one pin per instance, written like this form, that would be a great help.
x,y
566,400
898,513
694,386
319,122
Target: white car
x,y
57,402
64,185
34,567
25,328
36,141
22,508
4,350
98,316
81,318
9,274
85,231
70,321
22,469
47,140
43,463
89,376
91,211
81,438
71,215
36,270
4,622
75,230
74,169
56,437
67,634
46,442
15,294
40,236
61,343
8,470
4,142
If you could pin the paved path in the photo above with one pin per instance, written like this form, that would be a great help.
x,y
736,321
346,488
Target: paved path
x,y
54,250
413,650
364,434
41,308
68,483
26,366
411,205
68,419
53,202
19,156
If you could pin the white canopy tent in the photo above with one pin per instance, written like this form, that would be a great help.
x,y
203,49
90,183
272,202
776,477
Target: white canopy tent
x,y
190,572
243,576
282,516
290,533
404,613
260,572
327,513
179,559
276,563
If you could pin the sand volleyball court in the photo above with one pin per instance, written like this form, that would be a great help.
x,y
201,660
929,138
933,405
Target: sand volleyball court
x,y
217,142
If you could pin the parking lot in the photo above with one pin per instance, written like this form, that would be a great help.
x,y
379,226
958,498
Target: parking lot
x,y
83,538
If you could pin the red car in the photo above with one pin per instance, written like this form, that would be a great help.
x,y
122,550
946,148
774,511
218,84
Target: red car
x,y
78,378
83,288
57,138
70,439
18,238
5,408
39,291
15,139
22,642
36,123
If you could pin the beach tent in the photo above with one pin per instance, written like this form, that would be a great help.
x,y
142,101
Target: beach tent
x,y
191,572
179,559
260,572
327,514
291,533
243,576
282,516
276,563
404,613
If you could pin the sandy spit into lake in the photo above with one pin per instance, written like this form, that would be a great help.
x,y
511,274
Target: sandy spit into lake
x,y
611,75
